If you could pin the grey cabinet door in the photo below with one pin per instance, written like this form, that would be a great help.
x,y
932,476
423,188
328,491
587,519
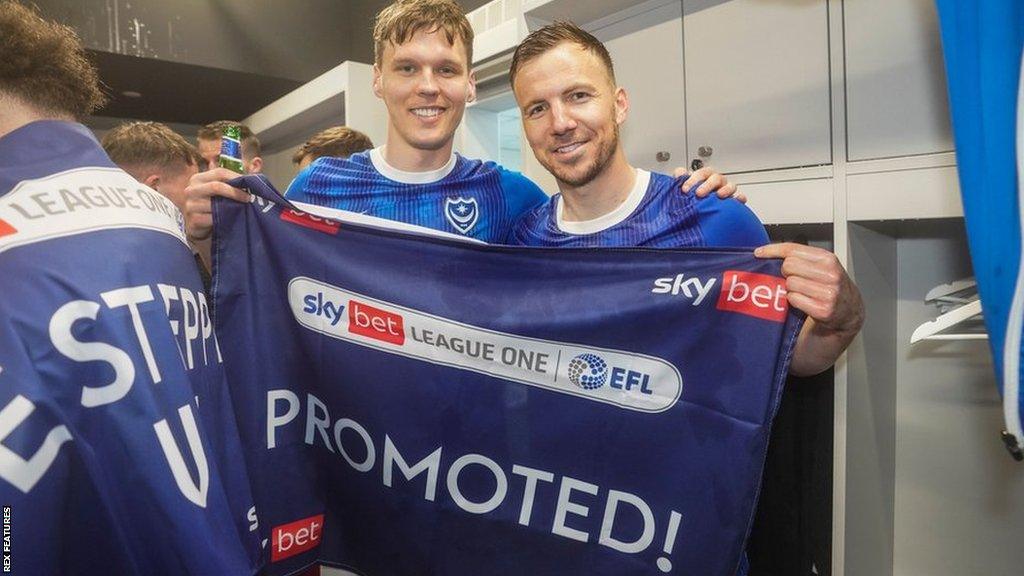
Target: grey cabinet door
x,y
757,83
647,51
895,81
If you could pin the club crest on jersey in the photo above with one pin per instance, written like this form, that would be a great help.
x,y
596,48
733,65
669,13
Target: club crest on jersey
x,y
462,213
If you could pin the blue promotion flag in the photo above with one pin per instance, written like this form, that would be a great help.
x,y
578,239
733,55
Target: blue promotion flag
x,y
415,404
982,44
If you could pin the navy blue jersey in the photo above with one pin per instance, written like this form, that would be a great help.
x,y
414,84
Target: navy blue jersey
x,y
655,215
119,450
469,197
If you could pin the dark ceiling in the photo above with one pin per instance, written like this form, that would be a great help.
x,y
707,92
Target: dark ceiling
x,y
224,68
183,93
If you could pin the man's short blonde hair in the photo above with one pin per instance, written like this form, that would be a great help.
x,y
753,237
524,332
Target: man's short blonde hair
x,y
149,145
397,23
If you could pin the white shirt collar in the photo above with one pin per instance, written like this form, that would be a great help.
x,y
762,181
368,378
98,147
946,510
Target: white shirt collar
x,y
392,173
636,195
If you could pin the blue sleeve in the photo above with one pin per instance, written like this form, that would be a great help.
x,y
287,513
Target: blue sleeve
x,y
729,223
296,191
521,194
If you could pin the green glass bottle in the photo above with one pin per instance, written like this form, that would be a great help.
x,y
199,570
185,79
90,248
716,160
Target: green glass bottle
x,y
231,149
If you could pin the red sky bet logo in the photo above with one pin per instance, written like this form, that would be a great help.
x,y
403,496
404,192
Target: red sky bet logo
x,y
6,229
758,295
375,323
296,537
310,221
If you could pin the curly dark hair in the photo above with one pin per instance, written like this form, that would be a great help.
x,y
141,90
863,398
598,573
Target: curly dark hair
x,y
44,65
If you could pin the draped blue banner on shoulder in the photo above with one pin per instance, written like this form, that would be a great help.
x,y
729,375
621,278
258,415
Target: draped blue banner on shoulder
x,y
119,452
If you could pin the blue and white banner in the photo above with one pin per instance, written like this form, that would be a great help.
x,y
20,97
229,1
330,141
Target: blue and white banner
x,y
421,405
982,43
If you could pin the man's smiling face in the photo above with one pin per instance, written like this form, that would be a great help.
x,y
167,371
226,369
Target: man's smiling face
x,y
425,83
571,112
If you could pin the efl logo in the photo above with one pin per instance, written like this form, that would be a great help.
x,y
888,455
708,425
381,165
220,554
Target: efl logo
x,y
310,221
6,229
590,372
375,323
758,295
296,537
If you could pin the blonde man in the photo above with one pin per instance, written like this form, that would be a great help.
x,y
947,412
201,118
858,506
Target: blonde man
x,y
154,155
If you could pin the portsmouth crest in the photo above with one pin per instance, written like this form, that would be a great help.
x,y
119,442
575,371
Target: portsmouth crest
x,y
462,213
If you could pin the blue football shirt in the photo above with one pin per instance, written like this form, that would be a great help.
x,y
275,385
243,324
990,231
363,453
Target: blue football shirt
x,y
655,214
472,198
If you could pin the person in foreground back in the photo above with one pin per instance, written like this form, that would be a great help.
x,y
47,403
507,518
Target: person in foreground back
x,y
119,452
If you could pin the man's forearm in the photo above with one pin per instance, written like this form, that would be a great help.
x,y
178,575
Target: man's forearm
x,y
818,348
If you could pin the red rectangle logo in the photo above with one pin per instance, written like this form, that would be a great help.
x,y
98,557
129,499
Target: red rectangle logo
x,y
296,537
375,323
6,229
758,295
310,221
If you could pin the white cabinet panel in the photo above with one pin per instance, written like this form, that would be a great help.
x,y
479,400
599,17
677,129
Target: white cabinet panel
x,y
895,82
647,51
582,13
922,193
794,202
757,82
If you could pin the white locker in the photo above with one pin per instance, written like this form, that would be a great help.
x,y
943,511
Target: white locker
x,y
654,135
757,83
896,100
